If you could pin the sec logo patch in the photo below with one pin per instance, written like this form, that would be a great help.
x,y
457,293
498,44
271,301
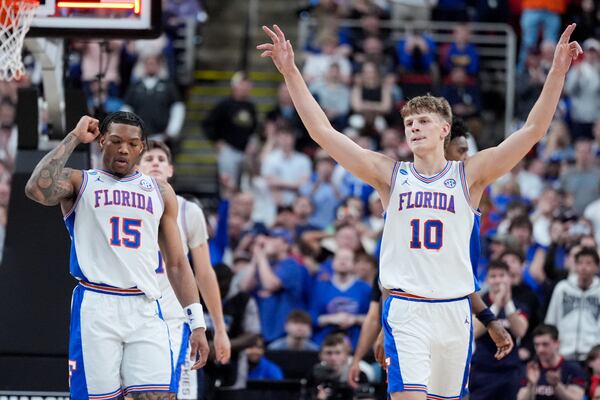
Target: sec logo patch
x,y
450,183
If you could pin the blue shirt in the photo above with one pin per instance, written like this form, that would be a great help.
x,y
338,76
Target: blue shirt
x,y
275,307
265,370
466,58
328,299
327,201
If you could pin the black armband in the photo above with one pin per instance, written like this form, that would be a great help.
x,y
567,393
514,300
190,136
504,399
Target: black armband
x,y
486,316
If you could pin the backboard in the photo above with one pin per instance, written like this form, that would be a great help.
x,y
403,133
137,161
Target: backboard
x,y
97,19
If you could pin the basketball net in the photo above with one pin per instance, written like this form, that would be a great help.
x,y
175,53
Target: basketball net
x,y
15,20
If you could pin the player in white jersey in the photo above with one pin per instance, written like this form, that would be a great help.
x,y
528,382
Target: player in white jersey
x,y
426,316
117,218
158,163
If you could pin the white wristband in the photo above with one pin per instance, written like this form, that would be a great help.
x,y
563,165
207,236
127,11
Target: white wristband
x,y
494,309
195,316
510,308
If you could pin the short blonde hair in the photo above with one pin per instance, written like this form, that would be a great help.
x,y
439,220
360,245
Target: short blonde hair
x,y
428,104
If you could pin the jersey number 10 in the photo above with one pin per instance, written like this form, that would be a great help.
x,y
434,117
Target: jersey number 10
x,y
126,233
433,234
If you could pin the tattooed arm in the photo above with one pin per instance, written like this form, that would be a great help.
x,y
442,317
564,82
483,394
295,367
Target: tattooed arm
x,y
51,183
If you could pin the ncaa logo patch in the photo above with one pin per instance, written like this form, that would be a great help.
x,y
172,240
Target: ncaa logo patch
x,y
147,186
450,183
404,172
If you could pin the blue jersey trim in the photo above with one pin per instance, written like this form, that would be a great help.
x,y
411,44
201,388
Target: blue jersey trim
x,y
78,383
183,349
74,266
82,186
172,384
465,381
475,250
395,383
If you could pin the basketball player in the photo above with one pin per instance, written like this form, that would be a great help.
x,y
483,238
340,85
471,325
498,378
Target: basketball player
x,y
455,150
430,238
157,162
117,218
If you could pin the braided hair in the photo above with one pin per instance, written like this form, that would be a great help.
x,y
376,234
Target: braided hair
x,y
122,117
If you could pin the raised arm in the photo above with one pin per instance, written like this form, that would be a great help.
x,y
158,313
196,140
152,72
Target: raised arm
x,y
371,167
51,183
487,165
180,275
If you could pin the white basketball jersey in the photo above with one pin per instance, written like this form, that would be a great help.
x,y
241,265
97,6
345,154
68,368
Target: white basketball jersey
x,y
192,228
114,231
430,243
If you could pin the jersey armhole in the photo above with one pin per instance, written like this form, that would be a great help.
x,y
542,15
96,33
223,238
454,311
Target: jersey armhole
x,y
465,187
394,174
82,186
159,193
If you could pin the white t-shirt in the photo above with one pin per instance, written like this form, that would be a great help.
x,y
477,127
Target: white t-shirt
x,y
294,168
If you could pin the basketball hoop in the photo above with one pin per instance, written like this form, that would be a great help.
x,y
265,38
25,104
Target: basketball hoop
x,y
15,20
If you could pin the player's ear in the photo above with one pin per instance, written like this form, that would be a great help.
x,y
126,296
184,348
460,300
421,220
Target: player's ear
x,y
101,140
445,129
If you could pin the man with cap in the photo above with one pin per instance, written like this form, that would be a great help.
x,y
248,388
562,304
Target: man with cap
x,y
276,280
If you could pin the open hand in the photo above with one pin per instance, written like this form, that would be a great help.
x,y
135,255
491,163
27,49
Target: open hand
x,y
502,339
566,51
199,348
280,50
222,347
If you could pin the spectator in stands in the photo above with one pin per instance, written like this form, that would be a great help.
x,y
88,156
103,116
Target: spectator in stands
x,y
557,143
490,376
259,367
592,362
373,51
240,313
366,266
91,67
536,14
371,93
492,11
285,169
592,213
284,114
550,376
100,103
329,378
298,330
317,65
531,80
303,209
583,87
461,53
463,96
416,53
8,133
321,190
276,280
522,294
151,97
575,306
542,215
582,180
341,303
334,97
231,124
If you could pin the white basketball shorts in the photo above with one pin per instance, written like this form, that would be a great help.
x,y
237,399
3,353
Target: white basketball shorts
x,y
427,345
119,344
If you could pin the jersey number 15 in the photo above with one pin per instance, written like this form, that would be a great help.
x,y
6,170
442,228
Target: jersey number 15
x,y
126,232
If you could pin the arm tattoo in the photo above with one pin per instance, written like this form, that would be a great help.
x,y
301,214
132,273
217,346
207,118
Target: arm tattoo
x,y
153,396
50,181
